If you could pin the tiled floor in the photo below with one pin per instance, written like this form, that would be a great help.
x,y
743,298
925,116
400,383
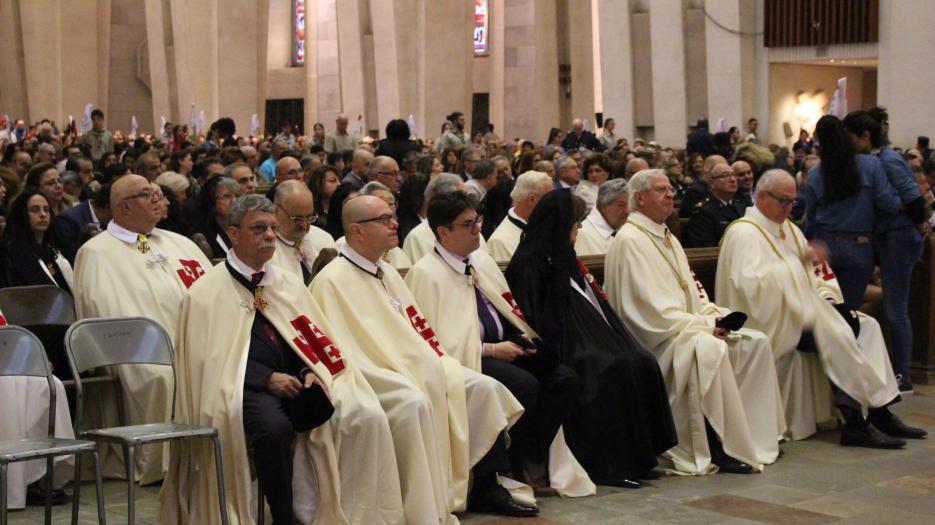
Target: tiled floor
x,y
816,482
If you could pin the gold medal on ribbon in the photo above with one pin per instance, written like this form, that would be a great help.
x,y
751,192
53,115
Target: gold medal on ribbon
x,y
258,302
142,243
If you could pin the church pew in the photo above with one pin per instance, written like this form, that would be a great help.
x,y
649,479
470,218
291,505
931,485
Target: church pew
x,y
922,316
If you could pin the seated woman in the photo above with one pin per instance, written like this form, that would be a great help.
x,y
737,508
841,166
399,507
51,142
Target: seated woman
x,y
622,419
31,252
46,179
325,180
214,203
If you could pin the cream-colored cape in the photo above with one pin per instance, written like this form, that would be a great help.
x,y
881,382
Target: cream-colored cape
x,y
443,295
25,414
504,240
421,241
762,273
733,385
595,235
114,279
292,257
345,470
396,346
396,257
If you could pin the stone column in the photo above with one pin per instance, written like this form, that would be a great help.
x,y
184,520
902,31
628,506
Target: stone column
x,y
724,63
350,60
617,65
668,66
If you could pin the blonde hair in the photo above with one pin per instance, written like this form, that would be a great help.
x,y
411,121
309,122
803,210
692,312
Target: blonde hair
x,y
174,181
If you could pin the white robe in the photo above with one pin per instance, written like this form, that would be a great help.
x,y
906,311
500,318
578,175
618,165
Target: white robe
x,y
421,241
396,257
732,385
595,235
761,272
354,447
443,296
292,258
114,279
504,240
396,345
25,414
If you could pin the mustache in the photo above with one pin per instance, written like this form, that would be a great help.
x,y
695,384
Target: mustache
x,y
268,246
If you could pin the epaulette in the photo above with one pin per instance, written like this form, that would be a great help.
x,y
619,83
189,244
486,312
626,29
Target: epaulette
x,y
701,203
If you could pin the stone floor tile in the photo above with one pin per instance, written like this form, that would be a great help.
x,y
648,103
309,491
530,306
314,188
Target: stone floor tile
x,y
761,511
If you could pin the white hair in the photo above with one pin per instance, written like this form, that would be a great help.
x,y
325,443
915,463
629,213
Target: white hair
x,y
172,180
770,179
641,182
610,190
527,184
441,184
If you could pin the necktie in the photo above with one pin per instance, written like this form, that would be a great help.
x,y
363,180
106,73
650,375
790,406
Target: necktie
x,y
142,243
256,278
491,330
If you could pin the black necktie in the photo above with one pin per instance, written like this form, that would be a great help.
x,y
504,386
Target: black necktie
x,y
256,278
491,330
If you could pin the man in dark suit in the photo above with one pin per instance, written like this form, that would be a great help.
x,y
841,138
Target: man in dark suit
x,y
700,140
579,138
92,211
715,212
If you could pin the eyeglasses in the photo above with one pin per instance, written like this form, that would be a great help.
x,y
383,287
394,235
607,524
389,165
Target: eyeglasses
x,y
718,177
469,225
386,219
782,200
664,190
147,195
260,228
299,218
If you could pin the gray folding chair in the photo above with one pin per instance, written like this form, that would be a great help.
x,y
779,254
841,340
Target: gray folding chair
x,y
48,311
21,354
92,343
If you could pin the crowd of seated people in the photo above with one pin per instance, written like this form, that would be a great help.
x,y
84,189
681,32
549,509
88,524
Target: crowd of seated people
x,y
404,329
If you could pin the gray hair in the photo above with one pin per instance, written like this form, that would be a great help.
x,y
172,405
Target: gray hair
x,y
244,205
442,184
231,168
377,164
527,184
641,182
229,184
770,179
289,187
371,187
560,163
610,190
469,152
484,169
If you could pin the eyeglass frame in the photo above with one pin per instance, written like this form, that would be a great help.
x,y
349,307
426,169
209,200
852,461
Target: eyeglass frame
x,y
148,194
311,219
386,220
782,200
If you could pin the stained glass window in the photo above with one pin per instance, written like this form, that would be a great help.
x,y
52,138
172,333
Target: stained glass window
x,y
481,24
298,32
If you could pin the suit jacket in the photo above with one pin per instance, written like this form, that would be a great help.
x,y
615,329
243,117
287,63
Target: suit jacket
x,y
70,222
585,140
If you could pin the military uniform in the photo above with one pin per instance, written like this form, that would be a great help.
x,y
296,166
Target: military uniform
x,y
709,220
695,194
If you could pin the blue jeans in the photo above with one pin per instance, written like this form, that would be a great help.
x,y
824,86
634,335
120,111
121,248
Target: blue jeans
x,y
900,249
852,263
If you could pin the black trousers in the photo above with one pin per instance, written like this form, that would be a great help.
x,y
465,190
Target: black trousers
x,y
266,422
547,400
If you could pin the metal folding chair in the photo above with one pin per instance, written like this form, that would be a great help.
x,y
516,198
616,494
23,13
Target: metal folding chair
x,y
48,311
92,343
21,354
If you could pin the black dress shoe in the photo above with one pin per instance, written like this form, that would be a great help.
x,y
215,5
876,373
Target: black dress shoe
x,y
623,483
889,424
650,475
730,465
498,501
35,496
867,435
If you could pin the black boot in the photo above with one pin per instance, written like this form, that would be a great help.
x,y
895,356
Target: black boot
x,y
720,458
857,432
889,424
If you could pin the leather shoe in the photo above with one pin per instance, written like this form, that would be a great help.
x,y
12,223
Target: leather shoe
x,y
732,466
889,424
35,496
498,501
867,435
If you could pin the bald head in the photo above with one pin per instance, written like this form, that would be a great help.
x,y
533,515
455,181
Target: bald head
x,y
133,204
126,186
369,226
711,161
359,209
287,168
295,209
289,188
634,166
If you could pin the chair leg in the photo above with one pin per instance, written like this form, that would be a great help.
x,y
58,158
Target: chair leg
x,y
129,458
219,468
3,509
99,486
49,466
76,490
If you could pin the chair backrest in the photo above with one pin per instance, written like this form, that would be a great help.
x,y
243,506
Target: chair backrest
x,y
97,342
22,354
37,305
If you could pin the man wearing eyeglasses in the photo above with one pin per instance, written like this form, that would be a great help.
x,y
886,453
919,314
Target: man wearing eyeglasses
x,y
721,379
372,311
298,243
715,212
463,294
767,269
136,269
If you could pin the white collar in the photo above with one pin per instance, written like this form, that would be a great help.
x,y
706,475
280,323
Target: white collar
x,y
269,275
361,261
126,235
659,230
512,213
452,259
763,221
600,224
565,184
284,241
94,218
